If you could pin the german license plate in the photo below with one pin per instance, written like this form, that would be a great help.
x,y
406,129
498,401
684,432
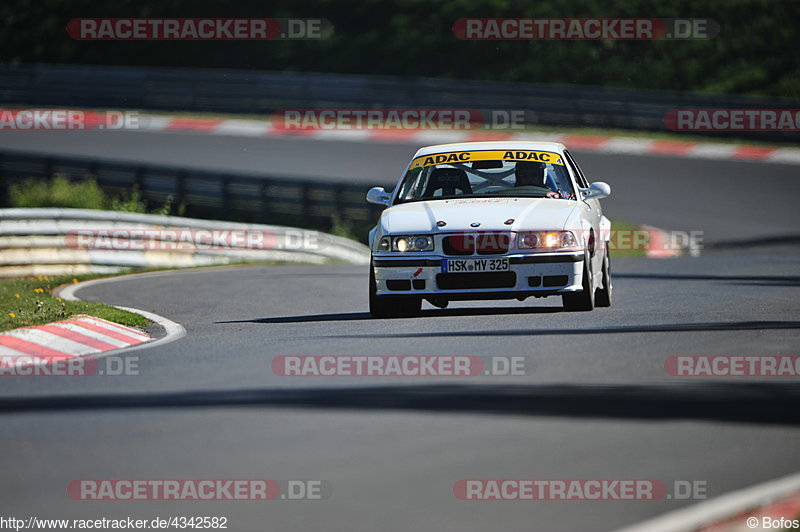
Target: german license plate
x,y
474,265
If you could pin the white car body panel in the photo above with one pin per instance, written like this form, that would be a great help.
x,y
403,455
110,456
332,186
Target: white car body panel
x,y
491,213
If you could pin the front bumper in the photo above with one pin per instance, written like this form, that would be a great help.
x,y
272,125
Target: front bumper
x,y
535,274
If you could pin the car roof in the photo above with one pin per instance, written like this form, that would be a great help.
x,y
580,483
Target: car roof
x,y
494,145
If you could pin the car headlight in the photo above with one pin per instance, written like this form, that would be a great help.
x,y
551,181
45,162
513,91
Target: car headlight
x,y
406,243
546,240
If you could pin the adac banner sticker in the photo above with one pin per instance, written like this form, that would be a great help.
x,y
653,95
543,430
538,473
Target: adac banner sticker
x,y
486,155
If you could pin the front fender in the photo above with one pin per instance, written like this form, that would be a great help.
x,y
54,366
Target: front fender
x,y
372,233
605,229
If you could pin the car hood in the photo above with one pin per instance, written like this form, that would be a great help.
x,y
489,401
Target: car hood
x,y
491,213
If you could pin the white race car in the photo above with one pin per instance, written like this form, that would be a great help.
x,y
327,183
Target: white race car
x,y
489,220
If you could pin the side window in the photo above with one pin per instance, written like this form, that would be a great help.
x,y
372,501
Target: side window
x,y
405,186
579,177
412,184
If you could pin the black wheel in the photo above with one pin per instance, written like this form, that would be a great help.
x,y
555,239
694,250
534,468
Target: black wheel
x,y
391,307
583,300
602,296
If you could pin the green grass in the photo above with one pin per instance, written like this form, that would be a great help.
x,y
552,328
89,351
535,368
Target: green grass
x,y
28,301
615,250
60,191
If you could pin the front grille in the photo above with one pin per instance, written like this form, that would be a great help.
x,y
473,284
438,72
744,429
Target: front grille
x,y
465,281
458,245
487,243
493,243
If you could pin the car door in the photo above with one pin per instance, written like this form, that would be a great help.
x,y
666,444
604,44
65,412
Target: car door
x,y
591,217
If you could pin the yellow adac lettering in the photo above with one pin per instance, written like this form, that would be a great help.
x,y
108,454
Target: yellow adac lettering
x,y
528,156
428,161
448,158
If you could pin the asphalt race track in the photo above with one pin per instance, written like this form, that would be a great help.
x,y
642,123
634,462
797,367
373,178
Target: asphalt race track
x,y
728,200
596,401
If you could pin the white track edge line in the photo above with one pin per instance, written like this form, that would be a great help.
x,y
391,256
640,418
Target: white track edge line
x,y
174,331
722,507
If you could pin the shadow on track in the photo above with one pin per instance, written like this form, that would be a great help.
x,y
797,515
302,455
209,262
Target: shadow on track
x,y
428,313
654,328
774,403
763,280
271,275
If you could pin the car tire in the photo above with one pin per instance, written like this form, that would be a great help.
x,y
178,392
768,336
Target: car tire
x,y
584,300
602,296
391,307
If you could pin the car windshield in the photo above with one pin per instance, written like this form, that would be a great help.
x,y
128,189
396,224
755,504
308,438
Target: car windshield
x,y
528,174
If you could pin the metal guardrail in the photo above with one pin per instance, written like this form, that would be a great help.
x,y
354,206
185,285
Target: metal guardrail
x,y
205,194
70,241
260,92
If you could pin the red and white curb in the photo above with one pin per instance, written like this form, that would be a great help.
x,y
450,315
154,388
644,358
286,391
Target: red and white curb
x,y
659,246
60,340
172,331
733,512
577,142
80,336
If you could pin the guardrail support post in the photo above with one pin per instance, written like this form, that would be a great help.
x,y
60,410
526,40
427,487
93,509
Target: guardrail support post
x,y
4,199
180,190
305,200
227,204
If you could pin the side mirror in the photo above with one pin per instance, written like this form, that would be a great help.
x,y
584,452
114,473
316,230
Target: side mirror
x,y
378,196
597,190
